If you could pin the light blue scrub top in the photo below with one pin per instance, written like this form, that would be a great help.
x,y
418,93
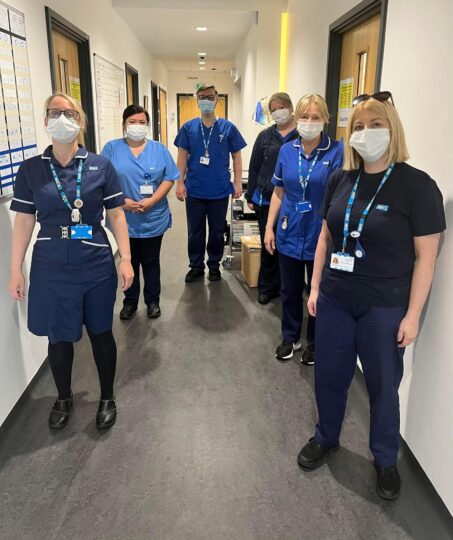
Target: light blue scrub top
x,y
153,165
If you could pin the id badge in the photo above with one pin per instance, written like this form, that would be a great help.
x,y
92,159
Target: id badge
x,y
342,261
146,189
81,232
303,207
204,160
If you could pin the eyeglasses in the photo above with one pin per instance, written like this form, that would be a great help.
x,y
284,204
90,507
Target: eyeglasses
x,y
379,96
209,98
70,114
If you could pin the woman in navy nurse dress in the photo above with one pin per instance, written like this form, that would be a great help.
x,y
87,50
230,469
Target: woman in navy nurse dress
x,y
73,278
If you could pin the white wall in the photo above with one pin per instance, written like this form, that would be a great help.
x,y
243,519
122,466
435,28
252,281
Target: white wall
x,y
111,38
184,83
417,69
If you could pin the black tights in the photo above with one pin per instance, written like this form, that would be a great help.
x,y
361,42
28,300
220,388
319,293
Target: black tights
x,y
61,355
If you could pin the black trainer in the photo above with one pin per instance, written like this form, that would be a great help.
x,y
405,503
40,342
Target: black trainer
x,y
286,350
388,483
313,454
106,415
194,275
308,358
214,275
59,415
128,311
153,310
265,298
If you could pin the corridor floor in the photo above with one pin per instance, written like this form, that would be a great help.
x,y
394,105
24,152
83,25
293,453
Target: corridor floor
x,y
207,437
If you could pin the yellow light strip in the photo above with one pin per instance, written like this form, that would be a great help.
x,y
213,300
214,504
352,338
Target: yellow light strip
x,y
283,52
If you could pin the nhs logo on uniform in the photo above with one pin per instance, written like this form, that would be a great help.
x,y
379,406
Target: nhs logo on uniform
x,y
93,168
382,207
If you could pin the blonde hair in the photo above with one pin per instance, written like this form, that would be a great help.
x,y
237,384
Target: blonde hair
x,y
305,102
205,86
76,106
282,98
397,151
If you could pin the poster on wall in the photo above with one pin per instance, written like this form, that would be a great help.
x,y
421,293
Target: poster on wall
x,y
345,101
110,99
17,125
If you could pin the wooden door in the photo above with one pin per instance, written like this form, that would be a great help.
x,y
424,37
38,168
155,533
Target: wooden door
x,y
358,67
66,65
129,88
163,116
188,108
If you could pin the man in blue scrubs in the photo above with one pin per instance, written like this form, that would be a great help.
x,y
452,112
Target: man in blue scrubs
x,y
204,148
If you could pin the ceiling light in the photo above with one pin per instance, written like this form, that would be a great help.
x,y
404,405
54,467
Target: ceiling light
x,y
202,28
202,62
201,54
202,68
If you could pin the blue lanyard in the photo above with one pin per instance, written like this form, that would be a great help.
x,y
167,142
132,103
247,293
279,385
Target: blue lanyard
x,y
304,181
365,213
63,196
206,144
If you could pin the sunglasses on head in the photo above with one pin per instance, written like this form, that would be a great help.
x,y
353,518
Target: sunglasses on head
x,y
379,96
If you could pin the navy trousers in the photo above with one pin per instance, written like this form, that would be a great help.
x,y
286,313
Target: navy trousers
x,y
269,276
145,252
198,210
292,273
345,330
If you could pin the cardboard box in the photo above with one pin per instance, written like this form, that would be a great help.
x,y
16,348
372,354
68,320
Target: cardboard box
x,y
251,259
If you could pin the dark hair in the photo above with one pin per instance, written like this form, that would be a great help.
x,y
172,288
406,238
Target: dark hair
x,y
130,110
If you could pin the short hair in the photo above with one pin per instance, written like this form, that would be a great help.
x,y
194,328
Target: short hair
x,y
397,151
205,86
130,110
75,104
305,102
282,98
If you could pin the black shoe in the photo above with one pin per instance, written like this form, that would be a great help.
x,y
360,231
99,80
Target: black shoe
x,y
265,298
59,415
308,358
286,350
194,275
388,483
153,311
214,275
128,311
312,454
106,415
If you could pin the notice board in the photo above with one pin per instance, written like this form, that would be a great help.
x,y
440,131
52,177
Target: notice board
x,y
17,125
110,99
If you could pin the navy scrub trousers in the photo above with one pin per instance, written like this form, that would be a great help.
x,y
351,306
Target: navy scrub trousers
x,y
344,330
292,273
198,210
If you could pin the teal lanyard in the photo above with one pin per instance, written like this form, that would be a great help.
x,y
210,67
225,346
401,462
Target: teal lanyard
x,y
365,213
206,144
304,181
63,195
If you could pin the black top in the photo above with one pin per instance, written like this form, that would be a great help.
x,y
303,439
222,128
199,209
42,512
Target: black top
x,y
410,204
263,160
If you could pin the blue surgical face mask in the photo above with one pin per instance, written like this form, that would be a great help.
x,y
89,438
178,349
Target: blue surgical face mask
x,y
206,106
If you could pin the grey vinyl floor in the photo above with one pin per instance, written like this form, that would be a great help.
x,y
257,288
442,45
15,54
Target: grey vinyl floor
x,y
207,437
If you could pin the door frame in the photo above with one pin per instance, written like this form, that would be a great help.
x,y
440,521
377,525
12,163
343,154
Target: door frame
x,y
155,110
183,94
357,15
160,89
129,70
54,21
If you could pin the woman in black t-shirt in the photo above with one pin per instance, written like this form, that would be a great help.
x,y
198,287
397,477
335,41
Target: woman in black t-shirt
x,y
373,269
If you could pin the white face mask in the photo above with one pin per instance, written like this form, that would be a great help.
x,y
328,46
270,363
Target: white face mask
x,y
62,129
370,144
136,132
281,116
309,130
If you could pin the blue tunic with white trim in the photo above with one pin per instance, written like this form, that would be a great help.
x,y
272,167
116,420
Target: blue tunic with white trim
x,y
72,282
298,240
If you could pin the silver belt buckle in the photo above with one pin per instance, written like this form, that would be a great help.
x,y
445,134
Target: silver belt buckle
x,y
64,233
